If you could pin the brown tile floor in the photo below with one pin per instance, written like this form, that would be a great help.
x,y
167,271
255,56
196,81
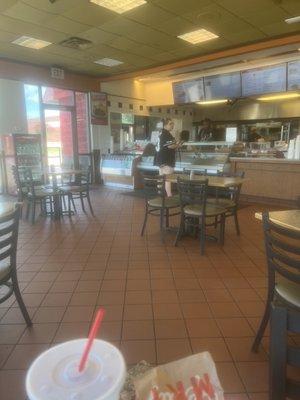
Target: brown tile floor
x,y
162,302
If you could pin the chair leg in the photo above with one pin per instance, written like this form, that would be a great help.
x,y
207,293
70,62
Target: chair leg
x,y
89,202
145,221
161,224
82,202
202,236
167,217
222,229
21,303
236,221
33,212
180,231
28,209
64,202
262,327
73,202
69,205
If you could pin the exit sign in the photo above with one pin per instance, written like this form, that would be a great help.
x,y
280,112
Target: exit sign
x,y
57,73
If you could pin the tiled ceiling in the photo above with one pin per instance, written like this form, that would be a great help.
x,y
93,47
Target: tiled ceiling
x,y
141,38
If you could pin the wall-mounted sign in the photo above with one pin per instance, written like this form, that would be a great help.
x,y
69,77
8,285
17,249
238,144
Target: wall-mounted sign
x,y
98,108
188,91
227,86
294,75
264,80
57,73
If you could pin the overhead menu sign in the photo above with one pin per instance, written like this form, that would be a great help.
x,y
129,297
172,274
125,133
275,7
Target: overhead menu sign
x,y
188,91
264,80
223,86
294,75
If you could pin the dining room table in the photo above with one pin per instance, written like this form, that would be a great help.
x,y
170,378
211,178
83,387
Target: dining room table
x,y
213,181
52,177
7,207
289,219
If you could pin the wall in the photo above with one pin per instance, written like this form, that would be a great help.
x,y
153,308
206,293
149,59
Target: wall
x,y
159,93
41,75
12,107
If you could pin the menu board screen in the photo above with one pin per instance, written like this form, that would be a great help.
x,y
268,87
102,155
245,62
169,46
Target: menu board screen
x,y
223,86
264,80
294,75
188,91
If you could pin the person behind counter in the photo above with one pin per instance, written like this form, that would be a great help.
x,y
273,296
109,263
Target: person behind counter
x,y
206,133
166,152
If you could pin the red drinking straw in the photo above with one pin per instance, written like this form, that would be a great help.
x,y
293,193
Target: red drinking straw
x,y
93,332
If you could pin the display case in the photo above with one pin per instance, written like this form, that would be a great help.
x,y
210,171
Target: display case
x,y
119,169
209,157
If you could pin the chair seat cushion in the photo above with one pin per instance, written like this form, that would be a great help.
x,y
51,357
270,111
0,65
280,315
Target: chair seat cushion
x,y
4,268
289,292
226,203
170,202
195,210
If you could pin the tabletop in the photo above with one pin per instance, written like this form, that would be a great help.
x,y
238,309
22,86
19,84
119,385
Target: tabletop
x,y
6,207
64,172
213,181
289,219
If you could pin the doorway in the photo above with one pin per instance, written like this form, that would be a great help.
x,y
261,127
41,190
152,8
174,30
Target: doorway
x,y
59,137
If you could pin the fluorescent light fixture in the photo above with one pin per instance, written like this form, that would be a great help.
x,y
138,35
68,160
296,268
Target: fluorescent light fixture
x,y
209,102
284,96
293,20
198,36
108,62
30,42
119,6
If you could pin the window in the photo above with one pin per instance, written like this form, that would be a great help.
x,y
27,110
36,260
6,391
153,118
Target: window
x,y
56,96
32,103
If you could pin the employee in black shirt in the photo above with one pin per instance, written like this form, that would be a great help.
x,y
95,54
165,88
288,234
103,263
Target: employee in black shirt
x,y
166,152
206,133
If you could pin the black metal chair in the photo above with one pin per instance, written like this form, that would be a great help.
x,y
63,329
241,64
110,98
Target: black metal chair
x,y
283,354
9,225
229,199
157,203
283,258
37,195
195,210
79,189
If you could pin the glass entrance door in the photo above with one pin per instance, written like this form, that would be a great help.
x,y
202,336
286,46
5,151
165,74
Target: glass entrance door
x,y
59,137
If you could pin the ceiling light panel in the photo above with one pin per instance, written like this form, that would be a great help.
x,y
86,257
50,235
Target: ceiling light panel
x,y
293,20
198,36
32,43
108,62
119,6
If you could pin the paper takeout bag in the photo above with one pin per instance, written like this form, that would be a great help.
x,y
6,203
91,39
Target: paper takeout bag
x,y
191,378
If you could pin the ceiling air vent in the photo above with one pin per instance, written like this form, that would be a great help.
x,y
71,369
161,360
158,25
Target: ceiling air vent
x,y
76,43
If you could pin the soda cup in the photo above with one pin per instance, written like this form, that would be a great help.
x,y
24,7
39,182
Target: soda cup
x,y
54,374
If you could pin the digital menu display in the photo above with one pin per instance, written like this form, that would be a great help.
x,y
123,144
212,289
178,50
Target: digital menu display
x,y
294,75
264,80
226,86
188,91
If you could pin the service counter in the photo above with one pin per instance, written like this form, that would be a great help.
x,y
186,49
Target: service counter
x,y
269,180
